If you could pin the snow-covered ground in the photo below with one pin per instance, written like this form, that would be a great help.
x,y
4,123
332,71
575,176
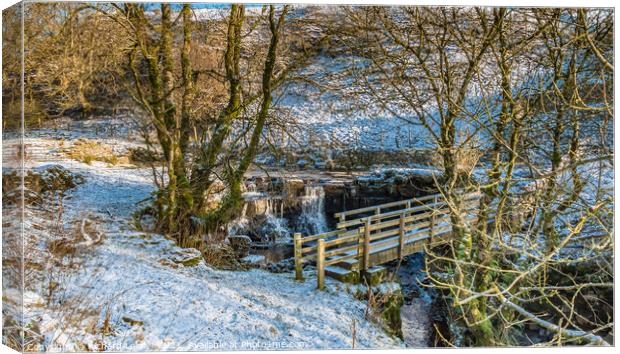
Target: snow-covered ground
x,y
133,292
331,120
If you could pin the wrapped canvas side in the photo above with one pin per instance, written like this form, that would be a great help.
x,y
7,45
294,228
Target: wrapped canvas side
x,y
13,268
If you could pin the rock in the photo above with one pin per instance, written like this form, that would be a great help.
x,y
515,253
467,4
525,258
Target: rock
x,y
398,182
375,275
40,182
265,159
330,164
284,266
132,322
276,182
188,257
342,274
253,259
241,245
147,222
221,256
321,165
168,263
334,188
294,184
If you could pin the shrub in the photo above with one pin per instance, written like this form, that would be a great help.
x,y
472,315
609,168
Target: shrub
x,y
221,256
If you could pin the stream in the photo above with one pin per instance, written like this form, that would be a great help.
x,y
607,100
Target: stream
x,y
274,212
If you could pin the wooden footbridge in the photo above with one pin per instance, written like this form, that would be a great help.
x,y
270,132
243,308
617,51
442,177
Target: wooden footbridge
x,y
368,237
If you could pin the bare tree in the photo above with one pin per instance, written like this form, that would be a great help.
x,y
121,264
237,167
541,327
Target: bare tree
x,y
204,162
515,88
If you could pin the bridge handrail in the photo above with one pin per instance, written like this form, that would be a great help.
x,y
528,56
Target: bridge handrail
x,y
344,214
377,208
380,217
434,205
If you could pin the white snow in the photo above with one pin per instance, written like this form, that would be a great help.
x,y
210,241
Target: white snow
x,y
394,174
253,258
186,307
133,293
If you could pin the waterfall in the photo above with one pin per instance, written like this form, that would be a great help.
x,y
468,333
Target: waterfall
x,y
275,227
262,216
312,219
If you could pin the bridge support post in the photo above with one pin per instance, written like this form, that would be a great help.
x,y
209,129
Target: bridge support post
x,y
401,236
320,264
431,229
367,244
360,247
298,255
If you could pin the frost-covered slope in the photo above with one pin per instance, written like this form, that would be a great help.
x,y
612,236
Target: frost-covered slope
x,y
133,291
341,117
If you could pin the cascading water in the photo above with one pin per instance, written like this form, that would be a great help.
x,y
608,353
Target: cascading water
x,y
312,218
276,227
261,217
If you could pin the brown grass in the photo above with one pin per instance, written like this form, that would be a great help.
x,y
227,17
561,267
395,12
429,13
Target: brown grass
x,y
87,151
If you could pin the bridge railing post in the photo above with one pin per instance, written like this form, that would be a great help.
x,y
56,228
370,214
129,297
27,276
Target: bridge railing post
x,y
434,211
401,236
432,226
341,218
320,264
367,244
298,256
360,245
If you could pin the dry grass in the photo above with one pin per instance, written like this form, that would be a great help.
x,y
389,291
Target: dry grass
x,y
62,247
88,151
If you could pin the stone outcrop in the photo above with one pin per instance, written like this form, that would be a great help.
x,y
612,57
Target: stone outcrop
x,y
240,244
